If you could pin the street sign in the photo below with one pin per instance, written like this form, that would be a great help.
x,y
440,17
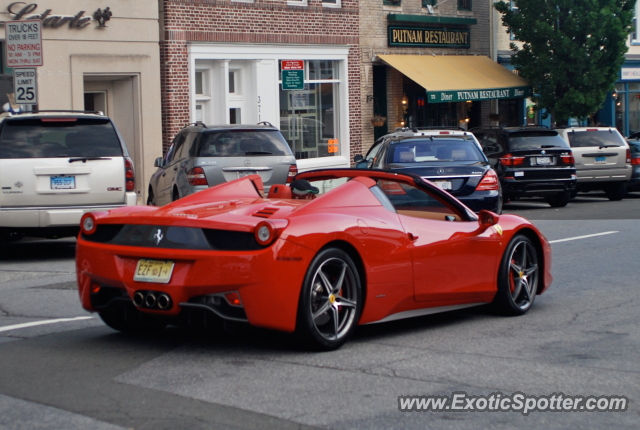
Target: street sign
x,y
293,74
24,43
25,86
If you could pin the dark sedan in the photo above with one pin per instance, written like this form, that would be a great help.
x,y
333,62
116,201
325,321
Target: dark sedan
x,y
452,160
634,182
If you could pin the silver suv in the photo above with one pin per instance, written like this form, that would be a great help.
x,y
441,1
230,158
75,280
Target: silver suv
x,y
603,159
202,157
54,167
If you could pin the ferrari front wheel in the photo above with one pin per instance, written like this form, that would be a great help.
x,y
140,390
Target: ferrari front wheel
x,y
330,301
518,277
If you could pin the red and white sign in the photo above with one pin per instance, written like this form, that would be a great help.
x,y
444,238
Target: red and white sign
x,y
24,43
292,64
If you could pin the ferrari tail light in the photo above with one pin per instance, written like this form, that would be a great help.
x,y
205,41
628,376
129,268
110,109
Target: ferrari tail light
x,y
567,159
265,233
88,223
489,182
635,161
196,176
293,171
233,299
509,160
129,174
628,155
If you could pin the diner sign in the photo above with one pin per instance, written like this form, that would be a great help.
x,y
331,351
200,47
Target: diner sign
x,y
438,37
473,95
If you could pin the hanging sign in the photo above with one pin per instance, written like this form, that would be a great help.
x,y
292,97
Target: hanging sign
x,y
293,74
23,40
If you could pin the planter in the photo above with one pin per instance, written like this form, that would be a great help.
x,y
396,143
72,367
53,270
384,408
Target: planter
x,y
378,121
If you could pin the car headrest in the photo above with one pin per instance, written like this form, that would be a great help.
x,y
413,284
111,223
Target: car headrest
x,y
280,192
406,157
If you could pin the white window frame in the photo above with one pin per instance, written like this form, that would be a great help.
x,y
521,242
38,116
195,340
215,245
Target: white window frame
x,y
512,6
297,3
636,26
203,99
337,4
274,53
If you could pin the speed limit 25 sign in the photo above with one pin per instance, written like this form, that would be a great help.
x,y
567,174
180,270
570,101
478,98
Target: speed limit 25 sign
x,y
25,86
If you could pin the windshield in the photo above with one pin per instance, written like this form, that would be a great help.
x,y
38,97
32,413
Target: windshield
x,y
59,137
583,139
437,150
241,143
635,147
536,140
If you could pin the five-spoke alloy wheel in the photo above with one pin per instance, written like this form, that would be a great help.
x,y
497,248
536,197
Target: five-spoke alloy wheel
x,y
518,277
330,300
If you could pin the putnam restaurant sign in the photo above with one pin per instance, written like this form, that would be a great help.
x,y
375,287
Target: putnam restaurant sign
x,y
438,37
461,96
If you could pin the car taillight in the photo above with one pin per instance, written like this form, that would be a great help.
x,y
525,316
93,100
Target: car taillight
x,y
635,161
629,156
88,223
489,182
265,233
567,159
129,174
510,160
196,176
293,171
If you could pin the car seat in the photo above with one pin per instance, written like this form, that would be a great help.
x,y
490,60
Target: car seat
x,y
280,191
405,157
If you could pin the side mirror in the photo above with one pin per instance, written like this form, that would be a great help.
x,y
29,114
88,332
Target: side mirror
x,y
362,165
358,158
158,162
487,219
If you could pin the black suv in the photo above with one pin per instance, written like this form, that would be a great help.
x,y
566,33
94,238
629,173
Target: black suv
x,y
530,162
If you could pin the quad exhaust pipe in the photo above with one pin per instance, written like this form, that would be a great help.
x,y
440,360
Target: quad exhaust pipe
x,y
152,300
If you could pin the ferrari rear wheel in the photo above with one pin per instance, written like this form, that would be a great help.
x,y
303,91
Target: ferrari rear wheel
x,y
330,301
129,319
518,277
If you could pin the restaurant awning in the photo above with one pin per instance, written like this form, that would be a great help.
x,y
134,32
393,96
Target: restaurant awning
x,y
457,78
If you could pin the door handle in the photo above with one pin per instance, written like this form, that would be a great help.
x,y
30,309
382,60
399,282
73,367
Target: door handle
x,y
164,174
412,237
175,168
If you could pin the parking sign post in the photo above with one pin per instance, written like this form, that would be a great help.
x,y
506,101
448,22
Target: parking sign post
x,y
23,40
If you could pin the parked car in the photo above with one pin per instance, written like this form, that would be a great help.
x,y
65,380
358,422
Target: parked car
x,y
603,159
634,146
449,158
530,162
201,157
56,166
379,247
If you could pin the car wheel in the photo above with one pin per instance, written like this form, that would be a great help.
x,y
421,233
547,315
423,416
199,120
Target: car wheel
x,y
151,200
559,200
518,277
330,301
128,319
616,191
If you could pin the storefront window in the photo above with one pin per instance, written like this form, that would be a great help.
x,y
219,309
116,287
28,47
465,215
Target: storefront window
x,y
309,117
621,117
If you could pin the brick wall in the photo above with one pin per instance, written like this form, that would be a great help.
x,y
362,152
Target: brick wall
x,y
263,21
373,41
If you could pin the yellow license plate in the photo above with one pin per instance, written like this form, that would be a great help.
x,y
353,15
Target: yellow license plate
x,y
153,271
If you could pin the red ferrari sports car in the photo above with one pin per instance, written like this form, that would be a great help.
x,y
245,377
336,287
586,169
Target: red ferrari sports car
x,y
374,246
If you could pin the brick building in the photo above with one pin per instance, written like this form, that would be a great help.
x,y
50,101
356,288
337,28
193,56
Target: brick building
x,y
221,63
428,63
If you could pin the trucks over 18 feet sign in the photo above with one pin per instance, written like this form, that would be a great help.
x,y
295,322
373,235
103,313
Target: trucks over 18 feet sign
x,y
24,43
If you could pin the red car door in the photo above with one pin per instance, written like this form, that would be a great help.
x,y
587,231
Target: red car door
x,y
454,261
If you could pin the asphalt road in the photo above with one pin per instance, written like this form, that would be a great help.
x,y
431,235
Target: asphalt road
x,y
580,338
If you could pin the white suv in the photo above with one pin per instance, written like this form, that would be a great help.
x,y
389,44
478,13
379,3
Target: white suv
x,y
603,159
54,167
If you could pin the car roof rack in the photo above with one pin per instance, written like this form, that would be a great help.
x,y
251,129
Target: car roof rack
x,y
498,127
90,112
196,124
265,123
427,128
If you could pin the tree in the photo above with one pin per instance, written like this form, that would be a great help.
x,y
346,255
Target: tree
x,y
572,50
